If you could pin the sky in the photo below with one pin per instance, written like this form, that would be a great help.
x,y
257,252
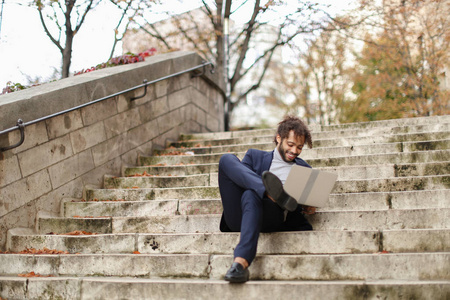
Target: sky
x,y
25,49
27,52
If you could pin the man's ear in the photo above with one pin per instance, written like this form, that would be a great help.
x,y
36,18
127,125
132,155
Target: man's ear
x,y
278,138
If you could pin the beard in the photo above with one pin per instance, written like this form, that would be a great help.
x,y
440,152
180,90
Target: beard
x,y
284,153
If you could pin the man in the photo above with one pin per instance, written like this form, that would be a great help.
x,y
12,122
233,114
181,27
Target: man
x,y
252,193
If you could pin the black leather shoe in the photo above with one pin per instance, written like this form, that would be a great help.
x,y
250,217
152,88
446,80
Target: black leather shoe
x,y
237,273
274,188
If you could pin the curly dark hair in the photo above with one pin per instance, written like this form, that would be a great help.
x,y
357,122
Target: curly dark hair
x,y
293,123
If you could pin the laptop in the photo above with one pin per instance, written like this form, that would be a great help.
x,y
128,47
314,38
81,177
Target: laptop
x,y
308,186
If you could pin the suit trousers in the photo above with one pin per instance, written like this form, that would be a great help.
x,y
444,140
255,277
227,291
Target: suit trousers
x,y
247,210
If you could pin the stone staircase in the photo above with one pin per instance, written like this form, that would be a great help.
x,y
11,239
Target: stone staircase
x,y
154,232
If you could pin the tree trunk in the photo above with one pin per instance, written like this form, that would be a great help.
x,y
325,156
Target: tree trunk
x,y
67,51
67,57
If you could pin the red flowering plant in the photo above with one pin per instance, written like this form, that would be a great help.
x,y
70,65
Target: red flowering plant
x,y
128,58
12,87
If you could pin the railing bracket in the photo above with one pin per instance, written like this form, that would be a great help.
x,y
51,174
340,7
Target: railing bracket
x,y
21,127
203,71
145,91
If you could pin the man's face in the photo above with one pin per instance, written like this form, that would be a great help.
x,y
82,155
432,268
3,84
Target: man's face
x,y
290,147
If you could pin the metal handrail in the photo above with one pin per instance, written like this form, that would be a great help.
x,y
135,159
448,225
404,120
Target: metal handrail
x,y
21,125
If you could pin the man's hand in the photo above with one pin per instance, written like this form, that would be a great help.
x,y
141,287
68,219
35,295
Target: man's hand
x,y
309,210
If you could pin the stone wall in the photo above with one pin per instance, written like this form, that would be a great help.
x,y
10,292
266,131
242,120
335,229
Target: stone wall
x,y
62,155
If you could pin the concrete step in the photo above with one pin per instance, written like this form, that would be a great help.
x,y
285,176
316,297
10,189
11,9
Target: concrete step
x,y
120,208
138,208
379,159
324,220
417,121
145,179
358,145
393,184
179,170
205,289
404,266
374,131
389,170
381,148
388,200
374,158
345,202
211,193
342,186
355,129
204,145
344,172
353,150
395,138
306,242
336,202
218,145
382,219
152,193
173,160
226,134
159,181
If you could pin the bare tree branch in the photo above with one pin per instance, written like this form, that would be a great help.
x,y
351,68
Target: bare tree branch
x,y
54,41
86,11
244,47
157,35
122,17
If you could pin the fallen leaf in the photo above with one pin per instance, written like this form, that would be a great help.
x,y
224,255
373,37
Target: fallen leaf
x,y
78,232
141,175
32,274
90,217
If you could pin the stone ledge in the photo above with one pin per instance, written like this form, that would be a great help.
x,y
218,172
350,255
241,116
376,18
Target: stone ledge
x,y
141,288
293,243
43,100
409,266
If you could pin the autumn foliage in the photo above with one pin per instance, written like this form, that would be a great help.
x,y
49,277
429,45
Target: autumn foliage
x,y
400,68
391,61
